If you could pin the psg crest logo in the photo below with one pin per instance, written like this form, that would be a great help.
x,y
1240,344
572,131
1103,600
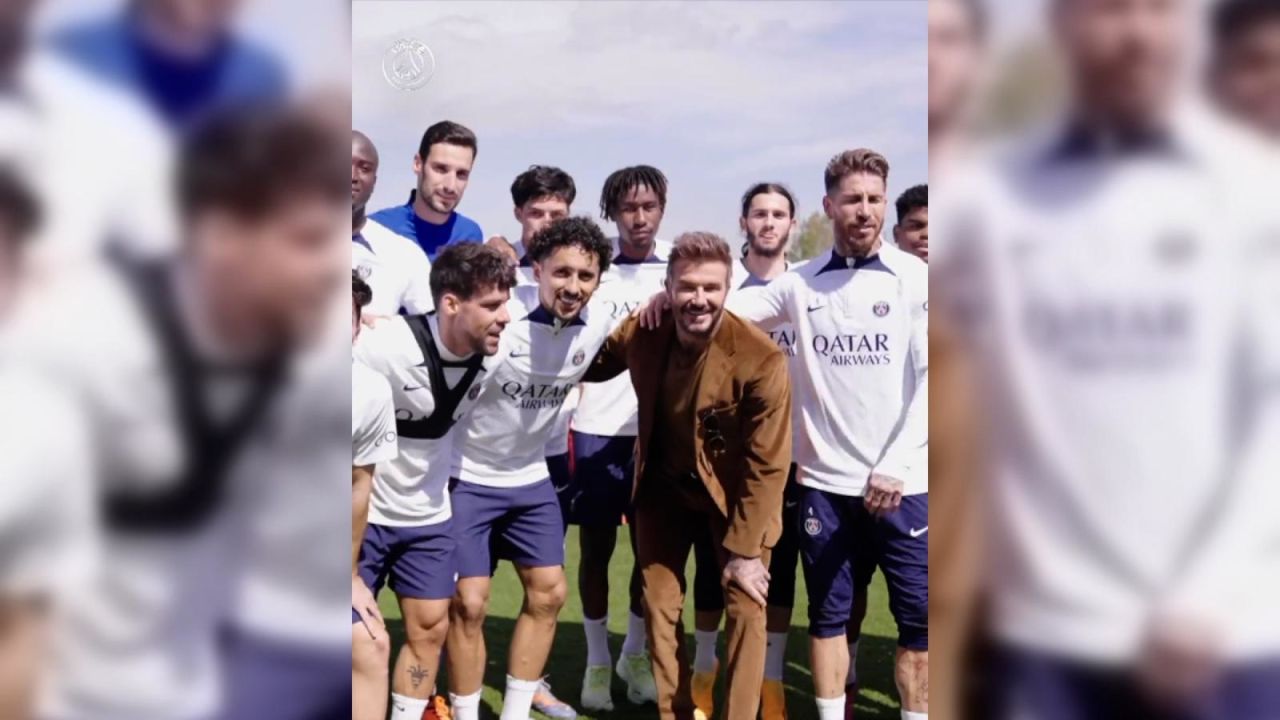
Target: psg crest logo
x,y
408,64
579,357
880,309
812,525
474,392
363,271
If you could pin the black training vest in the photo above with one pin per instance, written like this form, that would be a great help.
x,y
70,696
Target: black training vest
x,y
447,400
209,446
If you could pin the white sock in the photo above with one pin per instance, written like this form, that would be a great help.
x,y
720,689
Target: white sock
x,y
597,632
774,654
465,707
519,698
852,678
404,707
634,643
704,657
908,715
831,708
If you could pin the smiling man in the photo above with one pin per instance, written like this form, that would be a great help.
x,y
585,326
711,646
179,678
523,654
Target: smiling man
x,y
502,491
713,450
443,166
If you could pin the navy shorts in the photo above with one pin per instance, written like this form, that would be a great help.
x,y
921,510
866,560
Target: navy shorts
x,y
1038,686
562,480
260,672
523,524
603,467
841,544
415,562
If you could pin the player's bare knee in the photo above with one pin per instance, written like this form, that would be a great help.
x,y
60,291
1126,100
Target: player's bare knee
x,y
370,655
468,608
545,600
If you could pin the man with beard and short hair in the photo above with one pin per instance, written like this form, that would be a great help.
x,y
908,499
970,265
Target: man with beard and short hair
x,y
861,385
192,357
911,232
443,165
713,447
768,218
437,364
396,269
504,500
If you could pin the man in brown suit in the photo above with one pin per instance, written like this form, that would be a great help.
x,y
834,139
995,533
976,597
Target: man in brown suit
x,y
713,451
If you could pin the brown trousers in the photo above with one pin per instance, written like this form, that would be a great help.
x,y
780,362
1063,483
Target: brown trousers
x,y
666,527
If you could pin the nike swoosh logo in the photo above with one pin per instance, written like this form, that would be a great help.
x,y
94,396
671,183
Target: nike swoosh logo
x,y
790,504
813,308
519,355
411,388
917,533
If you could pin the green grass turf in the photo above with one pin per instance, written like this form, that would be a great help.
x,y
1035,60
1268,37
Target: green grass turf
x,y
877,698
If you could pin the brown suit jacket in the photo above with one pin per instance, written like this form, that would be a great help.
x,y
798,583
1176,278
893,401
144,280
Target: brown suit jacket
x,y
746,382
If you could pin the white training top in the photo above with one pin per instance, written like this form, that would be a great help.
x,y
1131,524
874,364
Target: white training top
x,y
396,269
862,377
505,440
610,408
1100,296
373,417
412,490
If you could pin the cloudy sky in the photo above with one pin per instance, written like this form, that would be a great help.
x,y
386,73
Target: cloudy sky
x,y
718,95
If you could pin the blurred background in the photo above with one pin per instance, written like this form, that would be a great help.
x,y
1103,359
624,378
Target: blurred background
x,y
1104,407
172,429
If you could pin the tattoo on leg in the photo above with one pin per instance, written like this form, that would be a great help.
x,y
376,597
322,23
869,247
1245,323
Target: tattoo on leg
x,y
417,675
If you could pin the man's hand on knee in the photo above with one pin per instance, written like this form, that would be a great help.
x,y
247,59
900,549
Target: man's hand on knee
x,y
751,575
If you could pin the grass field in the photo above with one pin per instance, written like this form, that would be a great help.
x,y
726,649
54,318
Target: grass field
x,y
877,697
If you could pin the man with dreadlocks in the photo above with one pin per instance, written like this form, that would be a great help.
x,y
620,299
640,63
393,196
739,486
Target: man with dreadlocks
x,y
604,436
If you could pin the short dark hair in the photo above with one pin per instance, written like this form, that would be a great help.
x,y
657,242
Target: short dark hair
x,y
361,293
1232,17
621,182
766,188
580,231
543,181
853,161
251,160
19,209
468,268
449,133
914,198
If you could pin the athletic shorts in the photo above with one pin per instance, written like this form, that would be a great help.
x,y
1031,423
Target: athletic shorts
x,y
415,562
521,524
841,545
603,468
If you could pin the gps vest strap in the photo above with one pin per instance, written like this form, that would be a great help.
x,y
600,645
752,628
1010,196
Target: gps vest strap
x,y
446,399
210,447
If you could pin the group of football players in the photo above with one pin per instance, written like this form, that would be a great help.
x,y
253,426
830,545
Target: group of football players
x,y
466,451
